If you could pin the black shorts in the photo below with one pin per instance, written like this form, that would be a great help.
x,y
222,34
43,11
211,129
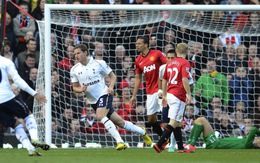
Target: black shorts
x,y
15,107
7,120
104,101
165,118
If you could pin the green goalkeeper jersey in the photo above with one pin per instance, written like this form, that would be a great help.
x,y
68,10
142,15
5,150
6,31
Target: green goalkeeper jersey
x,y
212,142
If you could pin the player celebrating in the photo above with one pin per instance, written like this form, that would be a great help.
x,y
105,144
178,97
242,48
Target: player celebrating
x,y
88,76
202,125
177,76
15,106
148,63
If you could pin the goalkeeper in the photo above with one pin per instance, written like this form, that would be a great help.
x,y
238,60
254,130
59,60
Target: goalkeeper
x,y
202,125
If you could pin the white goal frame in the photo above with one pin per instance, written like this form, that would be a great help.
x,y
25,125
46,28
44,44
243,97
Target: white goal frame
x,y
47,21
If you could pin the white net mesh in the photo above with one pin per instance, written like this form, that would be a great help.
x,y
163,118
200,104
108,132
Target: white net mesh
x,y
226,36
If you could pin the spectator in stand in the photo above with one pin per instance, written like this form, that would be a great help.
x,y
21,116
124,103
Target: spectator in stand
x,y
169,37
152,32
22,46
141,93
254,25
58,97
90,118
240,87
188,119
211,85
38,12
7,51
218,20
10,35
64,71
93,34
228,64
31,49
215,103
231,36
126,95
214,120
116,63
127,64
248,121
32,83
241,55
141,114
68,60
65,119
100,52
168,47
30,62
75,127
55,127
252,53
23,23
226,127
199,59
216,49
254,76
238,115
126,81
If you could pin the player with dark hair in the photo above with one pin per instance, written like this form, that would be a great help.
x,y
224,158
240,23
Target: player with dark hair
x,y
88,76
148,63
201,125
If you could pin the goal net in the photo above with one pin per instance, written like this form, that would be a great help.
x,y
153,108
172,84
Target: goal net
x,y
223,44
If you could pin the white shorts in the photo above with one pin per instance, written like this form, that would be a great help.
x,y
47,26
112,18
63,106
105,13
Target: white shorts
x,y
176,109
152,104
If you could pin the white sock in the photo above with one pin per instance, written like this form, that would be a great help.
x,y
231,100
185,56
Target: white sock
x,y
173,141
110,126
133,128
31,126
22,137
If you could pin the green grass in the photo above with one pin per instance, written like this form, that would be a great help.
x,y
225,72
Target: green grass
x,y
132,155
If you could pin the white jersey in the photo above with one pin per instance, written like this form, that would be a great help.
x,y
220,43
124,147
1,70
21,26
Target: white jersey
x,y
93,75
7,68
162,70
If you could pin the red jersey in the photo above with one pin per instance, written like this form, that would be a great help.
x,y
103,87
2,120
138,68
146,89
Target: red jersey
x,y
149,65
175,70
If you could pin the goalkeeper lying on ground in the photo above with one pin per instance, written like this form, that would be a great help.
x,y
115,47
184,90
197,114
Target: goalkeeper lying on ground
x,y
202,125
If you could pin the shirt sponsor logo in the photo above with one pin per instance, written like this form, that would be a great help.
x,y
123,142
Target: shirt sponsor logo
x,y
149,68
92,83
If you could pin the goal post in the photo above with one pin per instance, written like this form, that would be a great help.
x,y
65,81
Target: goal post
x,y
52,15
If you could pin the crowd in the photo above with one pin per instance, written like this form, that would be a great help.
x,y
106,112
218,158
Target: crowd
x,y
225,67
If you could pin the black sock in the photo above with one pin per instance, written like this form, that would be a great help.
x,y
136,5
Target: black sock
x,y
178,137
165,136
157,128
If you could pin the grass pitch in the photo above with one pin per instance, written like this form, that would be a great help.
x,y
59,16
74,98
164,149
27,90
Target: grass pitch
x,y
131,155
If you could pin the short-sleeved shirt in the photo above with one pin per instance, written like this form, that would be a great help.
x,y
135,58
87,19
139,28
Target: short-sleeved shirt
x,y
175,70
92,75
149,66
